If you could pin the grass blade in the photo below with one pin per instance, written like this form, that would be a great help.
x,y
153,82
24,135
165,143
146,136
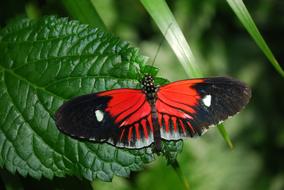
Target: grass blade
x,y
225,135
242,13
164,18
180,174
84,11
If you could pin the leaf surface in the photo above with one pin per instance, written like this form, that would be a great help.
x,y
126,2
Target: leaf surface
x,y
44,63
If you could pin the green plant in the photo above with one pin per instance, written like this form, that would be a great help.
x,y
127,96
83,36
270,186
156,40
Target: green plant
x,y
44,62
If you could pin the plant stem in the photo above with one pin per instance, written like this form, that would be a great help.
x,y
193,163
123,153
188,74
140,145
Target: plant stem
x,y
180,174
225,135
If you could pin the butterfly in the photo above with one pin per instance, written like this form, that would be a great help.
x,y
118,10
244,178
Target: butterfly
x,y
137,118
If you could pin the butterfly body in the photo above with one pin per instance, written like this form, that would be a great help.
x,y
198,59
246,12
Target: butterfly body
x,y
150,90
137,118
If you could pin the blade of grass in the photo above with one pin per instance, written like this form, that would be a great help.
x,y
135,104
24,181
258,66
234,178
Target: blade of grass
x,y
181,176
225,135
164,18
242,13
84,11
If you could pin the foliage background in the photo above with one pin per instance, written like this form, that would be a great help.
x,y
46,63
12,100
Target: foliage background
x,y
222,47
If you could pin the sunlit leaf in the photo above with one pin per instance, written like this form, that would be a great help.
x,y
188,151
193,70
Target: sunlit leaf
x,y
43,63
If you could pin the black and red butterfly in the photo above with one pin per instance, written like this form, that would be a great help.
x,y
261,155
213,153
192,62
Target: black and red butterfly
x,y
137,118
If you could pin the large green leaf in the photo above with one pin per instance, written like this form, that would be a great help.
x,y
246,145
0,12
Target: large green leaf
x,y
43,63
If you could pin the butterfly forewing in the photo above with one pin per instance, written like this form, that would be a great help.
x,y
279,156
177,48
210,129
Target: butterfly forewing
x,y
186,108
120,117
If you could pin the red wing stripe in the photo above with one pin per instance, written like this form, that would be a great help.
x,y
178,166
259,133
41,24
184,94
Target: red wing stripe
x,y
178,104
121,135
181,83
160,117
163,107
122,96
137,131
166,119
124,103
184,99
143,123
182,126
191,128
130,109
174,119
141,112
130,134
177,91
122,99
150,123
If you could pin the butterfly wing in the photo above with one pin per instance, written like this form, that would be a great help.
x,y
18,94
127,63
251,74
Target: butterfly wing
x,y
189,107
120,117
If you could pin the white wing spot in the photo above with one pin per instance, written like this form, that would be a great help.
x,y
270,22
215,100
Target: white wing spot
x,y
99,115
207,100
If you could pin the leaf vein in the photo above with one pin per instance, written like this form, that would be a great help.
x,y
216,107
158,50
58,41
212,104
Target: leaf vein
x,y
28,122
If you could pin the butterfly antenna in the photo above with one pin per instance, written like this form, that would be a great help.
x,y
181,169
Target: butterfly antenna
x,y
160,44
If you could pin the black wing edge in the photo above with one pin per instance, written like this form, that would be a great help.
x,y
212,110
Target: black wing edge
x,y
228,97
76,118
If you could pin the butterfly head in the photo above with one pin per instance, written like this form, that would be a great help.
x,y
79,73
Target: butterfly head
x,y
148,86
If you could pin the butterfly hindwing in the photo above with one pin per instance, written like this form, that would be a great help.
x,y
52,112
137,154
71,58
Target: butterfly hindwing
x,y
188,107
120,117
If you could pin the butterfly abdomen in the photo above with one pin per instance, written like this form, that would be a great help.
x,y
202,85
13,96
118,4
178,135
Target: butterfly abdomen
x,y
149,88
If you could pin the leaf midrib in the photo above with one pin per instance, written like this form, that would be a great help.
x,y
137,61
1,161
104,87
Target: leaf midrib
x,y
10,71
29,82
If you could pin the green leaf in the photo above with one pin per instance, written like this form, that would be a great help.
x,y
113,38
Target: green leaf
x,y
243,15
43,63
172,148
